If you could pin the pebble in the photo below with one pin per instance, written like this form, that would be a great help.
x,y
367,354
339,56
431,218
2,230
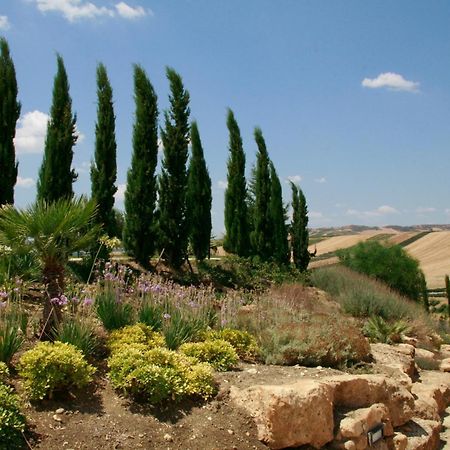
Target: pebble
x,y
230,432
168,437
57,418
252,371
59,410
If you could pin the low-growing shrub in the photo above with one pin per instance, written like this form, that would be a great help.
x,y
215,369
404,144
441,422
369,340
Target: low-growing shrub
x,y
378,330
112,311
159,374
427,363
51,367
242,341
219,353
12,421
78,332
135,334
4,372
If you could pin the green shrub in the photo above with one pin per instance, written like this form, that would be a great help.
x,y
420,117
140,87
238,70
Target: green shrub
x,y
219,353
78,332
12,421
112,312
51,367
388,263
11,339
243,342
178,329
135,334
151,315
159,374
378,330
362,296
4,372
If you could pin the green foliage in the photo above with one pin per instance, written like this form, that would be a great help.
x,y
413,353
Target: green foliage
x,y
378,330
51,367
4,372
277,215
104,167
262,233
11,339
12,421
237,239
9,114
243,342
151,315
79,332
111,310
199,198
178,329
388,263
56,175
159,374
135,334
173,225
299,229
219,353
140,196
361,296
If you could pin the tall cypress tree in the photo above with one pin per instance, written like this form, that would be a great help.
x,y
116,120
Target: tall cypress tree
x,y
104,167
140,229
299,229
199,198
56,175
9,114
262,234
173,224
236,221
277,216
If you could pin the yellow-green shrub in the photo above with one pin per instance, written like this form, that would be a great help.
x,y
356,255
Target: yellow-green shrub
x,y
135,334
50,367
159,374
12,421
4,372
242,341
219,353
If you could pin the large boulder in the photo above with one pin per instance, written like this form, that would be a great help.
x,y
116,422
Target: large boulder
x,y
290,415
399,357
422,434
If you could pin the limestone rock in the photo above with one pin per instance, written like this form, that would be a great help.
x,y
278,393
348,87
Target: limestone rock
x,y
422,434
445,350
400,357
424,354
399,441
290,415
445,365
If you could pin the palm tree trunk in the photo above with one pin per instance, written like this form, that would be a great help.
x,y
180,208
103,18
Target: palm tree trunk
x,y
53,277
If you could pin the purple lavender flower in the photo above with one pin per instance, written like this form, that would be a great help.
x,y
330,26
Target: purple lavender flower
x,y
88,301
167,316
3,305
3,294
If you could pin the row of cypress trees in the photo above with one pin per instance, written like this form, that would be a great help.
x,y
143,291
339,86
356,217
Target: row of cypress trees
x,y
162,212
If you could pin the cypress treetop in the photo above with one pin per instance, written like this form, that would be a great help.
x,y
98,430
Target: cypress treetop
x,y
140,229
236,221
56,175
9,114
104,167
299,229
199,198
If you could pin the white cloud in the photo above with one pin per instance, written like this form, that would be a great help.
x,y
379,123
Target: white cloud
x,y
424,210
320,180
120,193
128,12
315,215
30,133
378,212
294,178
25,182
392,81
73,10
84,167
4,23
222,184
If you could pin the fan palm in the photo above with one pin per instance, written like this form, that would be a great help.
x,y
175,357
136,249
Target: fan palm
x,y
51,232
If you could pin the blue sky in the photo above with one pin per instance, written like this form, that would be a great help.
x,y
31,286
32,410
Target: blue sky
x,y
353,97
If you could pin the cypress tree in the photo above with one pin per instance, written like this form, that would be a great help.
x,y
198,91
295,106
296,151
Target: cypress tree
x,y
55,175
299,229
199,198
140,196
262,234
104,167
236,221
277,216
9,114
173,224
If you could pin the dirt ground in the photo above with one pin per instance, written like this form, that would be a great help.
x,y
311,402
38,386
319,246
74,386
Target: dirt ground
x,y
102,419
